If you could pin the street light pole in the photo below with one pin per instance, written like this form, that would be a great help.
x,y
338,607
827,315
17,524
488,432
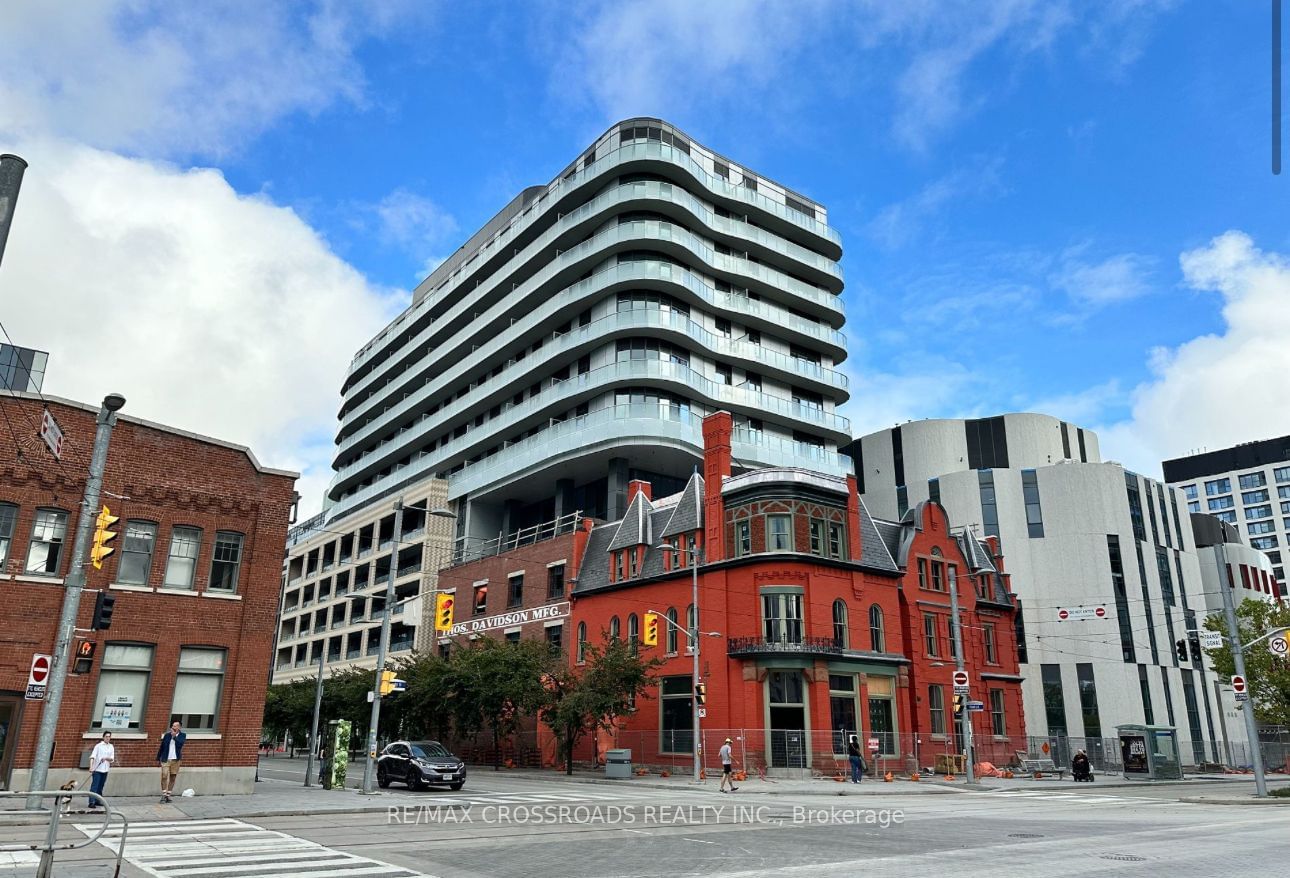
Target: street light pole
x,y
958,656
72,588
384,647
1238,659
694,640
313,733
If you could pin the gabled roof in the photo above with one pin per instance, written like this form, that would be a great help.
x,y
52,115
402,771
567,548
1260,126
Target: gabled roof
x,y
873,548
687,515
978,557
634,529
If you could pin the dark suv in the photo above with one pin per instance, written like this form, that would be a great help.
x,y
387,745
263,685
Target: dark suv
x,y
419,764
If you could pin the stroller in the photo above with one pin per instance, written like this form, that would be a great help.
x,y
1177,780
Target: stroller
x,y
1081,770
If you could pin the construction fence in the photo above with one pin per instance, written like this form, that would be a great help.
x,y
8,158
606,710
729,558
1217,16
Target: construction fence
x,y
799,753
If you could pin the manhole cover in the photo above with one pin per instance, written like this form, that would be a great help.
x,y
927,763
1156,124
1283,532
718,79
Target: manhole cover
x,y
1024,835
1124,858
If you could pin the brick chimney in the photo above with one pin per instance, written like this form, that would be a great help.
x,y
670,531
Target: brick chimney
x,y
855,546
580,538
717,430
636,486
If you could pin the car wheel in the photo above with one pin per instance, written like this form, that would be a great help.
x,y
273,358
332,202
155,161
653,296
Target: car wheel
x,y
382,777
414,781
456,786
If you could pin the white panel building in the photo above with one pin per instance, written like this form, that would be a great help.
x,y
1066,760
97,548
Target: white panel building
x,y
1081,536
1247,486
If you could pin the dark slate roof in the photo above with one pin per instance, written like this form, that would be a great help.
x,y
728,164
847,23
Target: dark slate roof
x,y
891,533
873,548
634,529
688,513
978,557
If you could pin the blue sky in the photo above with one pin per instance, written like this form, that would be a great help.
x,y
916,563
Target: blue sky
x,y
1051,206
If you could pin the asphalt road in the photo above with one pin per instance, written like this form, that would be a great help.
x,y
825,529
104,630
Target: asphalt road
x,y
506,825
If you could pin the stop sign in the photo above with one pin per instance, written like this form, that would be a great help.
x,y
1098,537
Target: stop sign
x,y
1238,685
39,670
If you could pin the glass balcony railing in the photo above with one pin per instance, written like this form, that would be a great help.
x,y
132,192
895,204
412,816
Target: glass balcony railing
x,y
555,397
774,283
604,425
769,361
606,164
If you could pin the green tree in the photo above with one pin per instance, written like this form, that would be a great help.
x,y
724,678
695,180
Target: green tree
x,y
289,708
493,684
592,695
1267,675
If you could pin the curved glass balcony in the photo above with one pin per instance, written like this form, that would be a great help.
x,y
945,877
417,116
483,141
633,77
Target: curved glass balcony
x,y
609,164
558,397
645,424
774,363
569,299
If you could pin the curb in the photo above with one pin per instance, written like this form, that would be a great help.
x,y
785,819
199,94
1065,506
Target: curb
x,y
1201,800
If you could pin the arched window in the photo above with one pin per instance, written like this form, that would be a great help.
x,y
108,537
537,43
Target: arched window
x,y
615,628
692,626
672,623
634,633
840,624
582,642
877,639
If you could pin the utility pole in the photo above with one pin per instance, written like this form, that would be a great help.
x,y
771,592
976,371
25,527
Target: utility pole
x,y
313,733
694,640
958,656
385,643
1238,659
12,168
72,588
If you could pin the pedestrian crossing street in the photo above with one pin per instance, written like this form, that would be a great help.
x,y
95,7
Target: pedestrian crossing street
x,y
228,848
1076,798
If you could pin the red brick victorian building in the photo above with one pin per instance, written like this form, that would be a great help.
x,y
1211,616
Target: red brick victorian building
x,y
815,620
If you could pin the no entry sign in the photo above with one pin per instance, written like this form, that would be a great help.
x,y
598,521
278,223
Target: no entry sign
x,y
1238,688
38,677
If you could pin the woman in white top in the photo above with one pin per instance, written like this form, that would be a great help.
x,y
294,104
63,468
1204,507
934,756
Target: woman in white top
x,y
101,760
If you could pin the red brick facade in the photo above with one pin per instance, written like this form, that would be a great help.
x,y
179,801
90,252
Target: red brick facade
x,y
167,479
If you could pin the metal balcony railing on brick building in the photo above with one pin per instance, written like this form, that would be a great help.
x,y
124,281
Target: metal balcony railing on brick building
x,y
760,645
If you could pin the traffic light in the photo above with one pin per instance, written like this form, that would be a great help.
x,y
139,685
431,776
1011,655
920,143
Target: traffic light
x,y
104,604
650,635
443,604
100,549
1194,643
83,660
700,693
387,683
1180,648
958,704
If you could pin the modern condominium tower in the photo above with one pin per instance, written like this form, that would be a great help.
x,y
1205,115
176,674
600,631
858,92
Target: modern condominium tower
x,y
577,340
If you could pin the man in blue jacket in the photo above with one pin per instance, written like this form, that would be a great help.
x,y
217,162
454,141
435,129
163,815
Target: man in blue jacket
x,y
169,756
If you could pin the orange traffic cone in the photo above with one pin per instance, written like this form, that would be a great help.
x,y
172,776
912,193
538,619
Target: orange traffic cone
x,y
887,778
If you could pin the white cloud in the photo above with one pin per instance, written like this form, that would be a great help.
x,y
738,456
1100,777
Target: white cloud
x,y
1093,284
662,57
899,223
1218,389
212,311
159,78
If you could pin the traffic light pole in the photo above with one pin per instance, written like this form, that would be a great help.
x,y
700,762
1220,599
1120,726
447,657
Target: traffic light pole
x,y
958,656
313,732
385,643
694,642
72,588
1238,659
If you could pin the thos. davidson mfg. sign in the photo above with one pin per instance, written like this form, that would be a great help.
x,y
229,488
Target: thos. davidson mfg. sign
x,y
509,620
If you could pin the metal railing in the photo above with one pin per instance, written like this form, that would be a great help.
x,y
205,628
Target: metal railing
x,y
51,844
752,645
468,549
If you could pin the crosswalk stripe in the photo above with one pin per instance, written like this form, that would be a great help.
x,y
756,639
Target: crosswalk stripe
x,y
229,848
